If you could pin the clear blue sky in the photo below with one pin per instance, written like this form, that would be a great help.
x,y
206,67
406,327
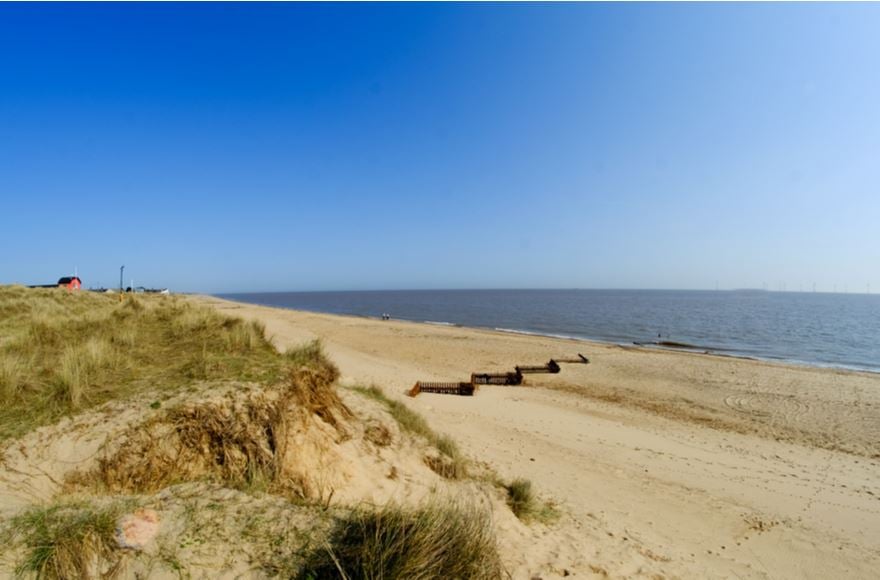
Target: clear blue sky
x,y
270,147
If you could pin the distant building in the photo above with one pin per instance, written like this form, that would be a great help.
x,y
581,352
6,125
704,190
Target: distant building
x,y
70,282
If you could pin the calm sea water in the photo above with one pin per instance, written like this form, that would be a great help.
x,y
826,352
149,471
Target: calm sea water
x,y
841,330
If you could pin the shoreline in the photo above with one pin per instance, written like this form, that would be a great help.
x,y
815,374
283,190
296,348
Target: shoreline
x,y
672,383
691,465
691,349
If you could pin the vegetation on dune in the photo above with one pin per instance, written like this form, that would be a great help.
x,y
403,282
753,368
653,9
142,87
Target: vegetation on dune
x,y
240,439
520,497
311,355
450,463
435,541
63,352
69,540
525,505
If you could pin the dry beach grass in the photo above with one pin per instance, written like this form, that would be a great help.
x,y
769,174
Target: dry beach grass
x,y
249,459
234,432
64,352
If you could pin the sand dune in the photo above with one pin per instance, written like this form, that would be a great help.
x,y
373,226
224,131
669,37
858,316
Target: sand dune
x,y
669,464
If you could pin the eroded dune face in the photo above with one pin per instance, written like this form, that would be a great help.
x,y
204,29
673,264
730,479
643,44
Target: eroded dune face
x,y
298,439
293,453
236,434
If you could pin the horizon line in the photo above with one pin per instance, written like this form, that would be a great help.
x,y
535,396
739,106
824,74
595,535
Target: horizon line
x,y
553,289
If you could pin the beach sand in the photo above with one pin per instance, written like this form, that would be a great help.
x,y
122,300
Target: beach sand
x,y
666,464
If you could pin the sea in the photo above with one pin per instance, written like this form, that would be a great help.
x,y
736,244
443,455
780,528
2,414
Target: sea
x,y
820,329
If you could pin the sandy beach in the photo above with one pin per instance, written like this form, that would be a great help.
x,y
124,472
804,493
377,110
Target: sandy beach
x,y
666,464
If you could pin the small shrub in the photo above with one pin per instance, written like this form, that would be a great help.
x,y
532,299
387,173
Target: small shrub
x,y
448,541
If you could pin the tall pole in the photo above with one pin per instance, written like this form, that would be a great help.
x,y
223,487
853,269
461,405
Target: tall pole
x,y
121,270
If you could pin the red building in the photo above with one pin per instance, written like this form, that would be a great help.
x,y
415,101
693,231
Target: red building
x,y
70,282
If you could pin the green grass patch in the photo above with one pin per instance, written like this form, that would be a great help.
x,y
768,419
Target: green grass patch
x,y
525,505
437,541
309,355
64,352
452,464
520,497
69,540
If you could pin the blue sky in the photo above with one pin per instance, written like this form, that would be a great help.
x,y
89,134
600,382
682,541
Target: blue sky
x,y
307,147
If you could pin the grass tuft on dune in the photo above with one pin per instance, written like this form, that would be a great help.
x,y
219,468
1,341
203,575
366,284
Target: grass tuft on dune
x,y
451,463
525,504
70,540
435,541
64,352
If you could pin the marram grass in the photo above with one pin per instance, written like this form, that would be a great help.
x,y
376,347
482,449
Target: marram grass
x,y
63,352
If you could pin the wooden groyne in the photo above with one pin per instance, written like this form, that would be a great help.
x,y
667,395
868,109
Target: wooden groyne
x,y
515,378
581,359
465,389
508,378
551,367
